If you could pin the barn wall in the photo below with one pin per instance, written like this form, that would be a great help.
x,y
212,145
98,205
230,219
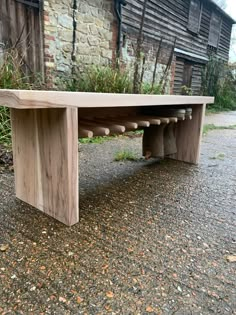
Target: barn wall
x,y
21,27
169,20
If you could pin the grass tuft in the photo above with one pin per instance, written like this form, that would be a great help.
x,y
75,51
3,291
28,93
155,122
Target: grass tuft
x,y
211,127
125,156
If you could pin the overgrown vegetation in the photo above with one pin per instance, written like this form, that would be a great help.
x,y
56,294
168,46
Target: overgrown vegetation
x,y
5,126
12,76
219,81
101,80
125,155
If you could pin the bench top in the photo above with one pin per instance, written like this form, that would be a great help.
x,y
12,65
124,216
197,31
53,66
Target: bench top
x,y
32,99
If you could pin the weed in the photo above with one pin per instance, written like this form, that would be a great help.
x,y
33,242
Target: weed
x,y
211,127
125,156
148,89
101,80
219,81
12,76
5,126
218,156
97,140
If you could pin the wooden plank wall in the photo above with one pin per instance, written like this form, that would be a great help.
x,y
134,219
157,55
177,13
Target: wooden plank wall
x,y
196,77
21,25
179,69
170,19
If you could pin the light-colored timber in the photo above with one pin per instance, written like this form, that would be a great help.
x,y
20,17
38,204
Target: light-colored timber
x,y
153,141
97,130
164,120
48,99
140,122
46,126
84,133
114,128
169,139
45,148
129,125
173,119
188,134
152,119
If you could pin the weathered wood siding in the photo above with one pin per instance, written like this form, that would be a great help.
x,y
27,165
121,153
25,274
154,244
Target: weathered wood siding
x,y
178,81
170,19
20,24
196,77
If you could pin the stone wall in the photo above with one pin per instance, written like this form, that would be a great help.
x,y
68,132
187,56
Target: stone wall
x,y
94,25
95,36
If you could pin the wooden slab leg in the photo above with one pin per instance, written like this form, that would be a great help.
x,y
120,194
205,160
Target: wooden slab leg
x,y
153,141
188,135
45,149
169,140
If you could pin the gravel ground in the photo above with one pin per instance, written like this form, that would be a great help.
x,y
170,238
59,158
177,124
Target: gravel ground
x,y
154,238
221,119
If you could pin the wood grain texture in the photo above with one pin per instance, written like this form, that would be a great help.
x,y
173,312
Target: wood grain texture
x,y
56,99
188,134
45,148
153,141
169,139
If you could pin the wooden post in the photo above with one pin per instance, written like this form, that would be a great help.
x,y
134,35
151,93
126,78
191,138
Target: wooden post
x,y
169,139
45,149
153,141
188,135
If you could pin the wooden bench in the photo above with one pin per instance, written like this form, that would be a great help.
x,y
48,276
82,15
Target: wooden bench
x,y
46,126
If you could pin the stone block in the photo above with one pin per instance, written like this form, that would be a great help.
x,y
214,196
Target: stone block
x,y
107,25
83,59
65,35
83,28
67,48
93,41
104,44
94,11
88,19
65,21
94,30
94,51
95,60
105,34
106,54
82,38
83,49
98,22
49,64
83,8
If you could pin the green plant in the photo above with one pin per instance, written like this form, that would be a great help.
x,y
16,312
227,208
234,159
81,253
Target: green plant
x,y
218,156
218,81
211,127
98,140
13,77
125,156
148,89
185,90
101,80
11,74
5,126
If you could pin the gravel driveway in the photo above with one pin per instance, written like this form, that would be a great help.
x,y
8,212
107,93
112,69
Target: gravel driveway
x,y
154,238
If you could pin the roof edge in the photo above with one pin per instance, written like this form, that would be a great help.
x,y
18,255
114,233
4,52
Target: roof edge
x,y
223,11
